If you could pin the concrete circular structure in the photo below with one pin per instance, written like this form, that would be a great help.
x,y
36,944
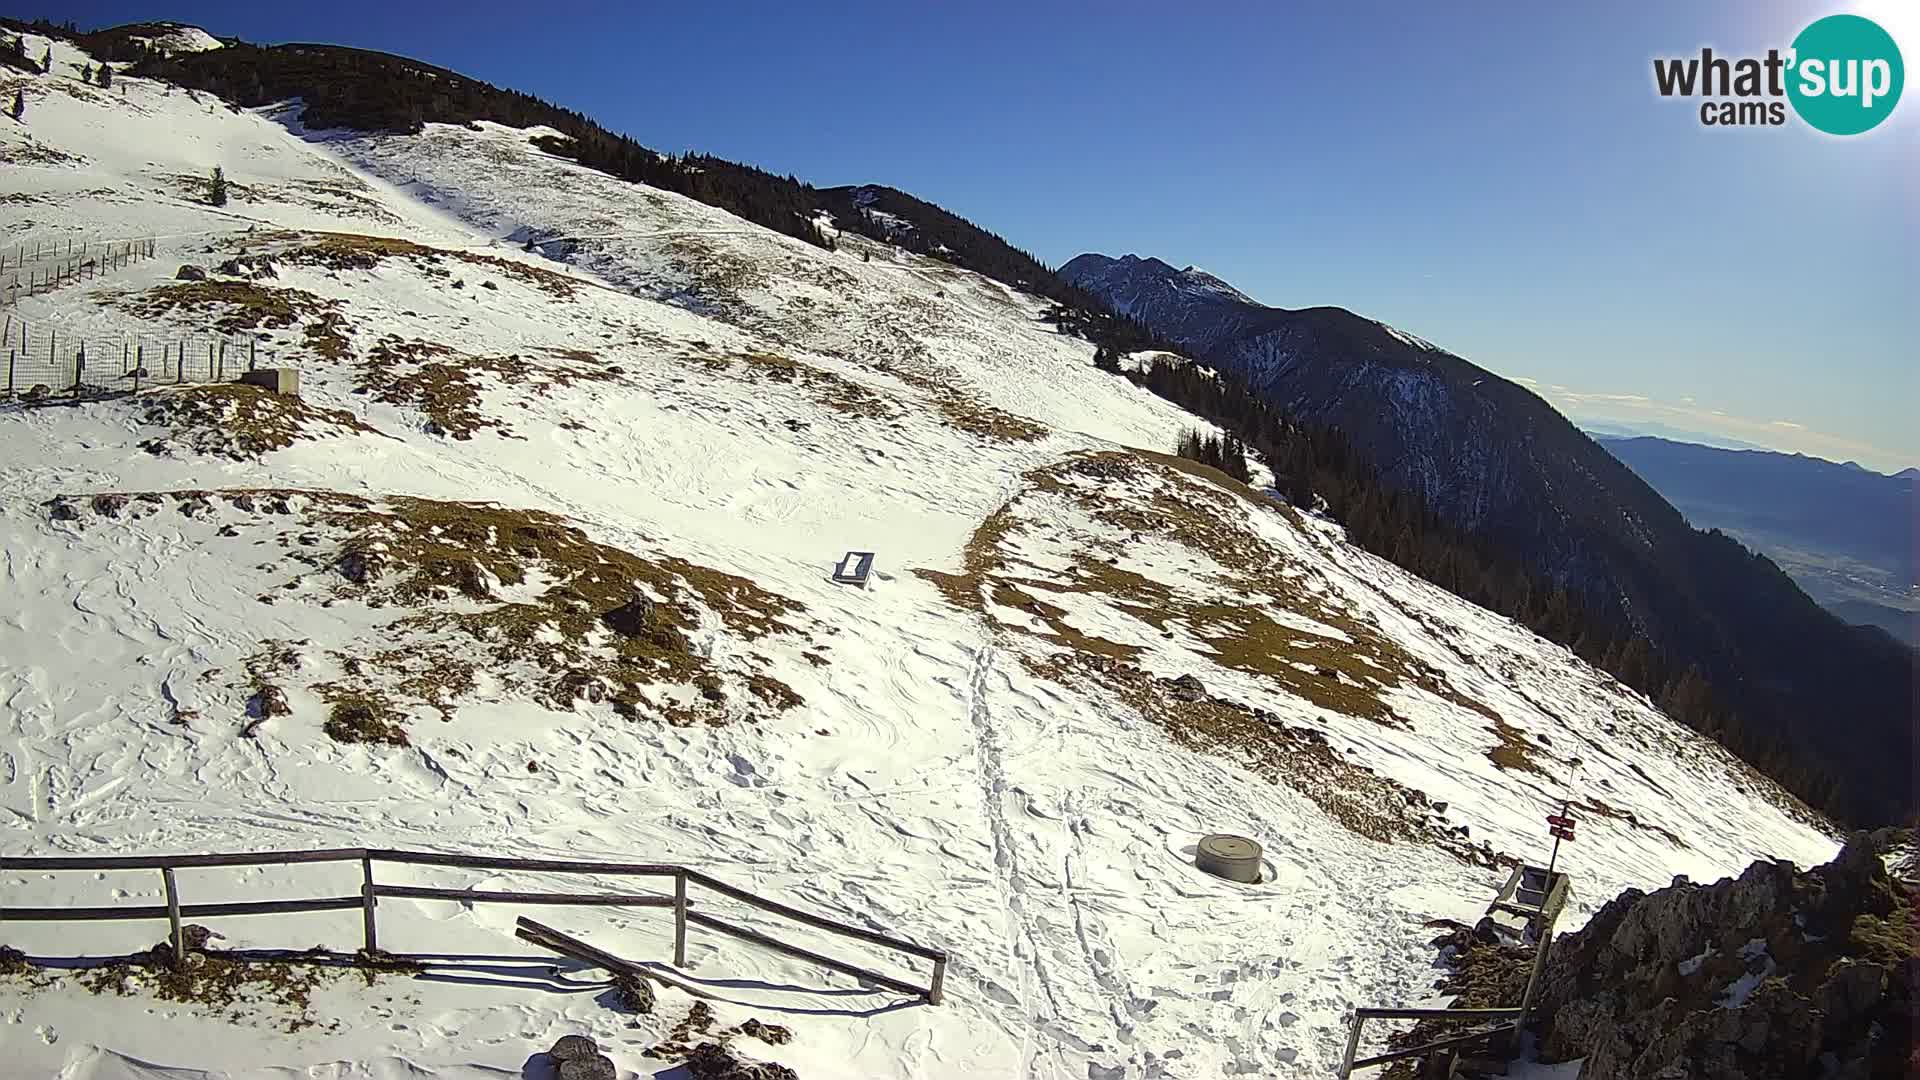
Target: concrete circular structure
x,y
1235,858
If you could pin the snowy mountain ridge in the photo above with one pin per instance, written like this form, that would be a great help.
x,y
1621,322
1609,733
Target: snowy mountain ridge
x,y
537,564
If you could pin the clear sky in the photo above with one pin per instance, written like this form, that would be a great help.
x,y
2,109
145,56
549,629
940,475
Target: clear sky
x,y
1499,179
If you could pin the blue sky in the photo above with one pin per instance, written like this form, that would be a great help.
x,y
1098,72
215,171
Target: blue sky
x,y
1501,180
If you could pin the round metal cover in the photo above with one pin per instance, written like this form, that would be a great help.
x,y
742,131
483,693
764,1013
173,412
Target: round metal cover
x,y
1235,858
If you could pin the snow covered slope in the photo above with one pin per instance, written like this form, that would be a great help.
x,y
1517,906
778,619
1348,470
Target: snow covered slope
x,y
495,449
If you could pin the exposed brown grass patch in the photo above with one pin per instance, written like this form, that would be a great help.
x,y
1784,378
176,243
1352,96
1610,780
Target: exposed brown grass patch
x,y
1591,804
986,422
446,384
828,389
34,152
238,421
354,251
1254,614
963,412
1299,758
237,307
606,625
1513,751
219,984
1346,673
358,715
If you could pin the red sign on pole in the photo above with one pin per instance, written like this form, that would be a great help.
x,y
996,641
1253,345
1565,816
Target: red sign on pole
x,y
1560,821
1562,833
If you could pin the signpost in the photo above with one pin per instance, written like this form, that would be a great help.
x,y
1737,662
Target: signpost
x,y
1561,826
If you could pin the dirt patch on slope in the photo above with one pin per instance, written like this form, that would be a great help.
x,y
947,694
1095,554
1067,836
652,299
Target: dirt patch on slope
x,y
832,391
447,385
239,307
236,421
1069,542
476,601
354,251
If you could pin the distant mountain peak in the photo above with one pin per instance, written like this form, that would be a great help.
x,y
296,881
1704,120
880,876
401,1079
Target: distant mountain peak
x,y
1132,281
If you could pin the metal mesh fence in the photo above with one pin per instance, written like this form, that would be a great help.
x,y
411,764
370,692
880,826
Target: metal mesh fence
x,y
26,269
41,361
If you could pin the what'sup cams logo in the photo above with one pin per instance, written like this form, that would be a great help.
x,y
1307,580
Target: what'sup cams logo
x,y
1842,75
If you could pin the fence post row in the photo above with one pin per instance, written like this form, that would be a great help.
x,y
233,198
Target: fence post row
x,y
371,891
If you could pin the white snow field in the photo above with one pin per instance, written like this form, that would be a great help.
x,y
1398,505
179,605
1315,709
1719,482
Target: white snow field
x,y
983,752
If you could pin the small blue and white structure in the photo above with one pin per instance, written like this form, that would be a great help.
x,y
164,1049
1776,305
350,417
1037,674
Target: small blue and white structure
x,y
856,568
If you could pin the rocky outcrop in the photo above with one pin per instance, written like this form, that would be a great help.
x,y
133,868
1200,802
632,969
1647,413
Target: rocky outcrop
x,y
577,1057
1777,973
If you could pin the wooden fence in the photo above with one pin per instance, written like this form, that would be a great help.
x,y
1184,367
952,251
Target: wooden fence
x,y
371,891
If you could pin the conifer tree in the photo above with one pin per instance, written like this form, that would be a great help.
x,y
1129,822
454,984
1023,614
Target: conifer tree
x,y
46,60
106,77
19,104
86,73
217,191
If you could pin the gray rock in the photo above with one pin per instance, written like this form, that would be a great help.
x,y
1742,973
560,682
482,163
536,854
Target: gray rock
x,y
596,1067
362,565
1188,688
109,504
1850,992
635,618
632,995
268,700
573,1046
251,267
191,273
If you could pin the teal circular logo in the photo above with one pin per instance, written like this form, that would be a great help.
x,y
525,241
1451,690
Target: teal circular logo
x,y
1846,74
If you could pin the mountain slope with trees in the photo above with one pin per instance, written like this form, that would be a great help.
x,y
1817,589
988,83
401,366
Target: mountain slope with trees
x,y
1845,534
342,87
1693,619
1717,633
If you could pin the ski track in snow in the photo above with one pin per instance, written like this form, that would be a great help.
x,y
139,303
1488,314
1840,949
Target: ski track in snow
x,y
931,786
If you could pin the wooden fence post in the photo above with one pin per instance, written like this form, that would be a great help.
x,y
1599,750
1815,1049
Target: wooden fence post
x,y
180,368
175,933
221,366
936,988
366,893
139,365
680,918
9,372
253,352
79,367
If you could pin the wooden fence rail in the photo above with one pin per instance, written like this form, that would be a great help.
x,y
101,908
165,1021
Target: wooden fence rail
x,y
371,891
